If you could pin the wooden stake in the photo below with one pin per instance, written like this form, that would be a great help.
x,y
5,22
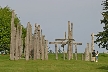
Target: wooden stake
x,y
56,51
43,46
39,43
87,53
12,37
35,42
75,51
71,40
17,43
31,47
69,45
27,43
92,45
46,49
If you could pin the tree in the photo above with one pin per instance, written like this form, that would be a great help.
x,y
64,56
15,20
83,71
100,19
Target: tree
x,y
5,27
102,37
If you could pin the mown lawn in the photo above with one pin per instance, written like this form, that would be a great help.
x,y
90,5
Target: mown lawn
x,y
53,65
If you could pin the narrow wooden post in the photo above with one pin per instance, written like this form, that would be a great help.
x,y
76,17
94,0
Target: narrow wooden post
x,y
35,42
86,59
63,53
14,42
92,45
87,53
17,43
46,49
76,51
32,51
25,46
68,51
39,43
71,46
27,43
88,46
43,46
56,51
71,37
31,47
37,49
12,37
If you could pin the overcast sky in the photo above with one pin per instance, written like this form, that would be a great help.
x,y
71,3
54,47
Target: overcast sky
x,y
53,16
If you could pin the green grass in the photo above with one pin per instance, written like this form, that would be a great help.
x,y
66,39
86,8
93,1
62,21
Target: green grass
x,y
53,65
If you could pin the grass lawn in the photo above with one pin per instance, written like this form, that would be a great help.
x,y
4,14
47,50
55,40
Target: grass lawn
x,y
53,65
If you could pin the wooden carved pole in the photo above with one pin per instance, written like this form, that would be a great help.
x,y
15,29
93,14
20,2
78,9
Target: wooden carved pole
x,y
56,51
17,43
63,48
14,42
76,51
27,43
39,43
46,49
32,50
31,47
71,37
68,51
43,46
92,45
63,53
88,46
87,53
25,46
37,49
12,37
35,42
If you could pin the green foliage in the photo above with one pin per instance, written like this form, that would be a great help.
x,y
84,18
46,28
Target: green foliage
x,y
5,27
23,36
102,37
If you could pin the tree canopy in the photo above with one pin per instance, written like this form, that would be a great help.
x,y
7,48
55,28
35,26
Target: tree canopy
x,y
5,27
102,37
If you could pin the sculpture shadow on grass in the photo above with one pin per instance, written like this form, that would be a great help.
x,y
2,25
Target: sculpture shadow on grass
x,y
103,67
